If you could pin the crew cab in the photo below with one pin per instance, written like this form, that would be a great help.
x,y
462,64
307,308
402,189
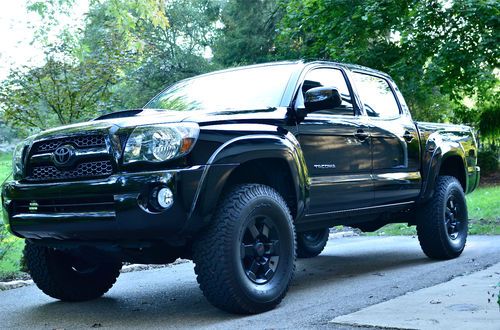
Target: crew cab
x,y
240,170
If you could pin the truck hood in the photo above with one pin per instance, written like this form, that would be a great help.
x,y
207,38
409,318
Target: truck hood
x,y
140,117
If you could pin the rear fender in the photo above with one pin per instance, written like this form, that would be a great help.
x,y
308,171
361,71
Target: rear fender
x,y
438,148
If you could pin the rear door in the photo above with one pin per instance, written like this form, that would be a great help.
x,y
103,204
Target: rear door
x,y
395,144
336,147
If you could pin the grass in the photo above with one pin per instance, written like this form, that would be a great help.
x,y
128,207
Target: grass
x,y
5,166
10,247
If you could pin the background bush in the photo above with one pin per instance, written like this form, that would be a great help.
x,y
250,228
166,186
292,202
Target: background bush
x,y
488,161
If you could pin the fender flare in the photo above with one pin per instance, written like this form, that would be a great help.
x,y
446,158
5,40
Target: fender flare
x,y
237,151
443,150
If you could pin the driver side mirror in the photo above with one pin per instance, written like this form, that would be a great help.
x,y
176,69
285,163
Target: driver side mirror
x,y
322,98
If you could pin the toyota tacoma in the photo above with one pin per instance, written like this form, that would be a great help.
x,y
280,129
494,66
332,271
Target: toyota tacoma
x,y
242,171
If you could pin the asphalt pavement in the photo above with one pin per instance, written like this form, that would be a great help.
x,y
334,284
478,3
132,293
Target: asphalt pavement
x,y
350,275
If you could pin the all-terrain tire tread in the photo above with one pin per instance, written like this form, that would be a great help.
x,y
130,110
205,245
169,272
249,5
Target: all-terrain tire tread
x,y
53,282
430,231
214,280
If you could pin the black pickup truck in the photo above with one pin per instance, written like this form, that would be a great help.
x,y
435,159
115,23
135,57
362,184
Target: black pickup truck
x,y
241,171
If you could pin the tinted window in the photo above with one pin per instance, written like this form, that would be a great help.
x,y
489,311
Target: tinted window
x,y
376,95
240,89
325,77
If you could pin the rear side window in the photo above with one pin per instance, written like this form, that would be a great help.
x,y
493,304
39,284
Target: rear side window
x,y
376,95
326,77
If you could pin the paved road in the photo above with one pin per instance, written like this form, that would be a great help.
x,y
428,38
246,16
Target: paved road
x,y
352,273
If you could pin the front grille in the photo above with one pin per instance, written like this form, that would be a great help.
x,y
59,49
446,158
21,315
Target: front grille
x,y
83,170
65,205
82,141
91,158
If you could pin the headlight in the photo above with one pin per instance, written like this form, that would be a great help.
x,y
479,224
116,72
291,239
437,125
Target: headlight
x,y
18,159
159,143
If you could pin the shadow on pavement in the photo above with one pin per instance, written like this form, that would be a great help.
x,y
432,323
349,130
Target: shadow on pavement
x,y
168,302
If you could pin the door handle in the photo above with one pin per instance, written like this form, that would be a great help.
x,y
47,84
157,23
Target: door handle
x,y
408,137
361,135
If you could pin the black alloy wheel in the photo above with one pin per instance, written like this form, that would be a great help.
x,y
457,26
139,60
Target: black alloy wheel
x,y
453,219
260,249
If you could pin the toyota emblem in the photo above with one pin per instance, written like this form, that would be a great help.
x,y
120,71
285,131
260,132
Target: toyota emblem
x,y
63,156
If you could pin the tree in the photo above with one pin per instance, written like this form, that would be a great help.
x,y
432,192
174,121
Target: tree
x,y
60,92
248,32
437,51
166,54
81,70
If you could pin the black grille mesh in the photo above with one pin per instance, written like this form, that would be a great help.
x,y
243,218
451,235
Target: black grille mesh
x,y
83,170
85,141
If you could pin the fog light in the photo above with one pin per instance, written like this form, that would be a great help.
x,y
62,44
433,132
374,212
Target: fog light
x,y
165,198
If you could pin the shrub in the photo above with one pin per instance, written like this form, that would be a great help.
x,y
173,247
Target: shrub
x,y
488,161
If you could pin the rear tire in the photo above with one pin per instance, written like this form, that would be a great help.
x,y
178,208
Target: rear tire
x,y
66,277
311,243
245,260
442,223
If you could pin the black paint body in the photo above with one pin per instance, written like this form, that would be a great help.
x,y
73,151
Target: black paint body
x,y
332,169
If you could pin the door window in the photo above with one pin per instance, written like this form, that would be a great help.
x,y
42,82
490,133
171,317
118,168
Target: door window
x,y
377,96
326,77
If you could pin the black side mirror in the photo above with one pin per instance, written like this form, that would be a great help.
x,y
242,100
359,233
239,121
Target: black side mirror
x,y
322,98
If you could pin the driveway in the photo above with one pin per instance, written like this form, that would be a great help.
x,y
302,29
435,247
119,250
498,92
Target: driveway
x,y
351,274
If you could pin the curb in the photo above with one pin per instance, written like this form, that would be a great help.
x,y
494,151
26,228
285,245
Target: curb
x,y
14,284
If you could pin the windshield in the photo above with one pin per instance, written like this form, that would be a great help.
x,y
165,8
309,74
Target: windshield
x,y
247,88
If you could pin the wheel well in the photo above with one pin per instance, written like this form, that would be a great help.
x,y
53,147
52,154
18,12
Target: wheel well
x,y
273,172
454,166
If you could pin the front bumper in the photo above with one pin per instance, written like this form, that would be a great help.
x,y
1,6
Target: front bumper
x,y
118,214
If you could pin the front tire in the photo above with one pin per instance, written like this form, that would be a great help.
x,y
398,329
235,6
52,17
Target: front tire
x,y
67,277
311,243
442,223
245,260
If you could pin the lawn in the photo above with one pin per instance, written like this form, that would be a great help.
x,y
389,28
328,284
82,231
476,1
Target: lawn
x,y
10,246
5,166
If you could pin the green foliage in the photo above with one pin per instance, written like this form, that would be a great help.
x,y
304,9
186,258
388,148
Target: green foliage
x,y
60,92
11,250
488,161
82,70
248,33
437,51
5,167
169,54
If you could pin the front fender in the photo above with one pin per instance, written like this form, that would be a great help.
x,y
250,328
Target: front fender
x,y
238,151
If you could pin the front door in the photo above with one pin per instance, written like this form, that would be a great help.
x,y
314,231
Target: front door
x,y
336,147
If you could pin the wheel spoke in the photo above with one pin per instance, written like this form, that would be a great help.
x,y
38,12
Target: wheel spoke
x,y
247,250
265,230
254,267
272,248
268,272
253,230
